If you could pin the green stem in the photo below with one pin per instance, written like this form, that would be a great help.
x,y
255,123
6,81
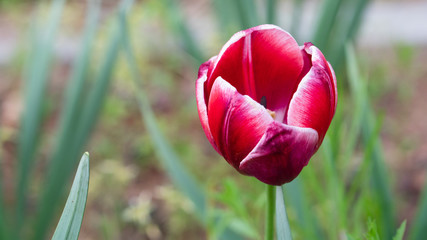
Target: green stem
x,y
269,223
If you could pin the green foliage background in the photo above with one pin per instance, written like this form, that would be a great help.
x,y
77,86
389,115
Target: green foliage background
x,y
128,96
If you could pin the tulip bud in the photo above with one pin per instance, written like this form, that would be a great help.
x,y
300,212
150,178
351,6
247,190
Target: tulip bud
x,y
265,103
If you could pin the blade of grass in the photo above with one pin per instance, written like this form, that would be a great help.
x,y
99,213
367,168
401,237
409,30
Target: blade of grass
x,y
59,170
71,219
73,100
354,131
3,234
282,224
185,182
177,21
226,15
271,11
76,83
335,188
379,174
246,11
296,18
400,231
178,174
325,23
366,165
35,86
304,216
346,30
99,89
418,230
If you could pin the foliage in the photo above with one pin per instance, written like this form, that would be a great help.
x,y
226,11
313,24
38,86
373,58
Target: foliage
x,y
71,219
347,177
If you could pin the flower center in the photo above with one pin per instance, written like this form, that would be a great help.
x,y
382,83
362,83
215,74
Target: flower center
x,y
263,102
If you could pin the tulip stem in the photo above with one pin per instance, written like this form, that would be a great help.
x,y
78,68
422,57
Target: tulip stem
x,y
269,223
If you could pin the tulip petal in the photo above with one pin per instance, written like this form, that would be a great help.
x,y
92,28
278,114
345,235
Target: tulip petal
x,y
264,61
236,121
313,103
201,101
277,63
281,153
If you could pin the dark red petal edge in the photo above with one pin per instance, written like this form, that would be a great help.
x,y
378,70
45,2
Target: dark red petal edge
x,y
281,153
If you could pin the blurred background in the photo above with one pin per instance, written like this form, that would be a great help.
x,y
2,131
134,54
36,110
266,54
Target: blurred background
x,y
117,79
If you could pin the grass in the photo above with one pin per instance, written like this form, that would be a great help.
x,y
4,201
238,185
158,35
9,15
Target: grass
x,y
347,177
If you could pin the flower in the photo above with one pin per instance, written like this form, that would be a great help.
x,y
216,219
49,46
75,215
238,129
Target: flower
x,y
265,103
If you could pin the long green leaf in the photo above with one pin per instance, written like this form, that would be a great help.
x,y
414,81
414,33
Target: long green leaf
x,y
3,234
177,21
98,93
71,219
335,187
418,230
271,11
346,30
179,175
296,18
75,88
59,170
379,174
305,217
331,35
400,231
325,23
282,223
227,17
246,10
35,86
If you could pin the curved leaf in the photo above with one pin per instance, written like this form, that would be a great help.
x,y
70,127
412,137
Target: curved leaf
x,y
71,219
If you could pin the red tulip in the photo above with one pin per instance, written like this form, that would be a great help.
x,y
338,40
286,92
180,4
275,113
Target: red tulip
x,y
265,103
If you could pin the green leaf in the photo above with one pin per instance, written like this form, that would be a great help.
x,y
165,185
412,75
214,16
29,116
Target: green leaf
x,y
350,18
282,224
419,227
2,205
325,22
71,219
305,216
379,174
337,24
243,228
246,10
75,89
177,172
36,75
350,237
271,11
79,130
400,232
177,21
296,18
227,17
372,231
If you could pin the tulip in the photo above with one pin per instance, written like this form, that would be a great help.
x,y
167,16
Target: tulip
x,y
265,103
